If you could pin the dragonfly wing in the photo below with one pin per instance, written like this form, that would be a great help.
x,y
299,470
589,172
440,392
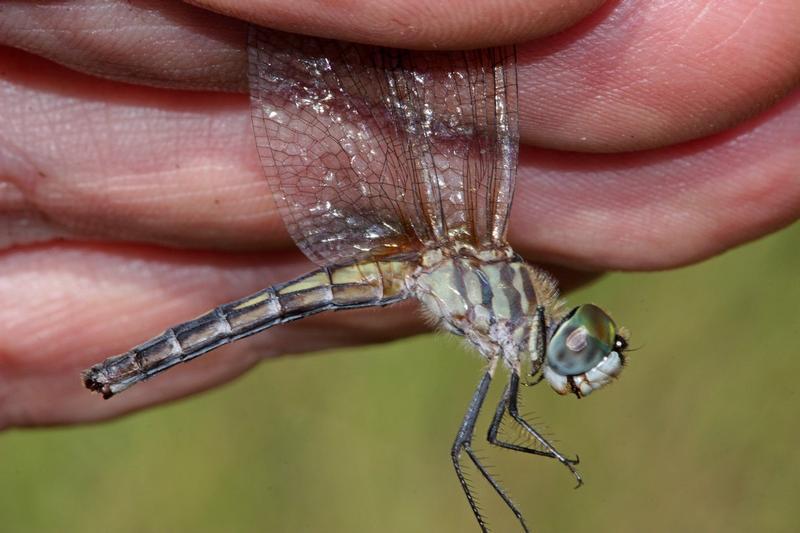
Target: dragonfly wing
x,y
373,151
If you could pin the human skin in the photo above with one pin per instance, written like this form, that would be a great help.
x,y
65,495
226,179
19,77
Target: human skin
x,y
654,134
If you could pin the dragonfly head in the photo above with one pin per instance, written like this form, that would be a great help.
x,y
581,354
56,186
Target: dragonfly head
x,y
585,352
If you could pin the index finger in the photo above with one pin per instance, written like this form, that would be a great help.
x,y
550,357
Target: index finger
x,y
416,24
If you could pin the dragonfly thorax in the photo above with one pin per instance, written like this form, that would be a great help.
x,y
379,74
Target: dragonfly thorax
x,y
491,296
488,296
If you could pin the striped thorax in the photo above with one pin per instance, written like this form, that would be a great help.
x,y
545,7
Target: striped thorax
x,y
489,296
509,309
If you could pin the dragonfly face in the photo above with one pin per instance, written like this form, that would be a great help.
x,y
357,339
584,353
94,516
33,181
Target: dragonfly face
x,y
394,171
585,352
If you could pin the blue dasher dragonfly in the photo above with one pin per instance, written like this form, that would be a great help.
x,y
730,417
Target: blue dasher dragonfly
x,y
394,171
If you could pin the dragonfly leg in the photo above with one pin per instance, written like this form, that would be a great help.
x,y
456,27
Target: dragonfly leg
x,y
494,430
509,403
537,357
463,443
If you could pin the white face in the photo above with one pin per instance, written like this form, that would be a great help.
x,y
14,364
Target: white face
x,y
584,353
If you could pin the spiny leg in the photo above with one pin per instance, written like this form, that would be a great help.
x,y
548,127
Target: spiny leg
x,y
509,402
463,442
494,430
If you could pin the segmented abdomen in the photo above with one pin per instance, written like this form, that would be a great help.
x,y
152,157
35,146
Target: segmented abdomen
x,y
365,284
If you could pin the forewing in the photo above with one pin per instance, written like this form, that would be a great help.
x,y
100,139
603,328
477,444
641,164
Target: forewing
x,y
371,151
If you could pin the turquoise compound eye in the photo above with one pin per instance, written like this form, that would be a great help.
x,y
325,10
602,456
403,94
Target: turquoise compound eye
x,y
582,341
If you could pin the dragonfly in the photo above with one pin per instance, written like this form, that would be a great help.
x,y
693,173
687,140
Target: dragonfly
x,y
394,171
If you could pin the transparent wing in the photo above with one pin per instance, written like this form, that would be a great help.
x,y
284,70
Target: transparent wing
x,y
371,151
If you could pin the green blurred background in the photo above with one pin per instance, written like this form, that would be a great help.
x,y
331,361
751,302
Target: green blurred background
x,y
701,433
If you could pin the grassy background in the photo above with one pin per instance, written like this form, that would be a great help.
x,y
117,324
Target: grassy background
x,y
701,433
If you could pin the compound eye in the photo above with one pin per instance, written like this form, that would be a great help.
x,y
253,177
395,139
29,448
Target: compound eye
x,y
582,341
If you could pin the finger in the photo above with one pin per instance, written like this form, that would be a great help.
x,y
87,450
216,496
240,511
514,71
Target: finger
x,y
423,24
651,74
152,166
662,208
105,160
632,76
175,44
162,44
76,304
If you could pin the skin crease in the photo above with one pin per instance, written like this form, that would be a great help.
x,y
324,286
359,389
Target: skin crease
x,y
649,142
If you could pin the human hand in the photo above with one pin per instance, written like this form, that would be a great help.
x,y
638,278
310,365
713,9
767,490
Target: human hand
x,y
653,137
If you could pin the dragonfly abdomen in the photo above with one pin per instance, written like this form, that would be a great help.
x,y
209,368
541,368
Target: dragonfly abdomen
x,y
363,284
